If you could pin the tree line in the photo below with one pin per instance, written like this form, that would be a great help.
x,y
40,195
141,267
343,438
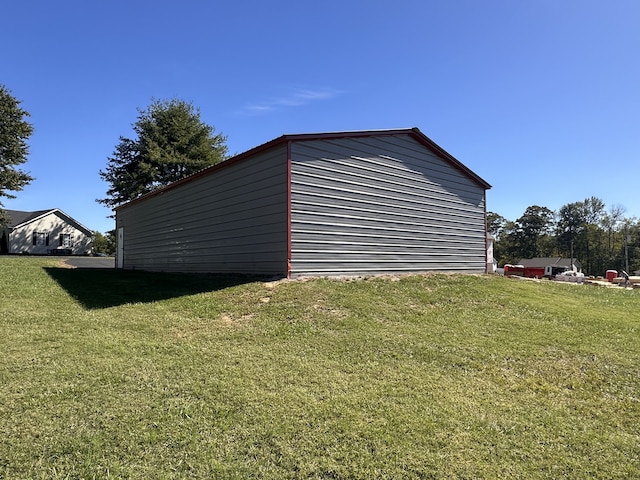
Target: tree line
x,y
600,238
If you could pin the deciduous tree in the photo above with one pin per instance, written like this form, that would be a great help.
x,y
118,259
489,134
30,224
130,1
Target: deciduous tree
x,y
495,224
104,243
529,236
533,229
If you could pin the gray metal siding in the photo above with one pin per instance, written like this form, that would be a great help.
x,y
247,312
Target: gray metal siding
x,y
232,220
380,205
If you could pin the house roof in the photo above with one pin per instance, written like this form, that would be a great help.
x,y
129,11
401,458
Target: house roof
x,y
18,218
546,261
415,133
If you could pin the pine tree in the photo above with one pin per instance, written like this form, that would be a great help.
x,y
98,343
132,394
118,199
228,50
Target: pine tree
x,y
172,143
14,132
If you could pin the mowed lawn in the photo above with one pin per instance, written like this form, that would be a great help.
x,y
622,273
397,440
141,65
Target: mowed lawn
x,y
108,374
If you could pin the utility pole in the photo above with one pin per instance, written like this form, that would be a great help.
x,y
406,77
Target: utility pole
x,y
571,264
627,240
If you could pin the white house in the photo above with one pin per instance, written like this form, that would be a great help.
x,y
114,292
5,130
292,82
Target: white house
x,y
44,232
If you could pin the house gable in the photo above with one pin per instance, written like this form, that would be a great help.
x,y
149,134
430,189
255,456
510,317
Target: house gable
x,y
44,231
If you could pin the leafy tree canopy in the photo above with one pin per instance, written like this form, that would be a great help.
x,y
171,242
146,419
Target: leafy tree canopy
x,y
599,238
104,243
14,132
532,230
172,143
495,224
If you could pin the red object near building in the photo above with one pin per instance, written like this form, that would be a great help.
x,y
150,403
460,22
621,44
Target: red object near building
x,y
610,275
522,271
514,270
534,272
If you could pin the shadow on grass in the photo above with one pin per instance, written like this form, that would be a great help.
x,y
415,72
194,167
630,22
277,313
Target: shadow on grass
x,y
103,288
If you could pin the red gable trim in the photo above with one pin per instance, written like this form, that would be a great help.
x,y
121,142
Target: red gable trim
x,y
301,137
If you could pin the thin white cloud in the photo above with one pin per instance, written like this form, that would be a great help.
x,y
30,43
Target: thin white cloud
x,y
295,98
257,109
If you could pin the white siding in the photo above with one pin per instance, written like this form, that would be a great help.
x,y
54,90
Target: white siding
x,y
382,204
50,227
231,220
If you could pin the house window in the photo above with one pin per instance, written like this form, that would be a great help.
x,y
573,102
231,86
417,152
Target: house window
x,y
40,238
66,240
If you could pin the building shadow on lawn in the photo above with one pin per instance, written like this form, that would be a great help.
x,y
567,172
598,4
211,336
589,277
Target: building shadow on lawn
x,y
97,288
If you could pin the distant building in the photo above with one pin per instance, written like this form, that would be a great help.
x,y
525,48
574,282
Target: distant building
x,y
44,232
542,262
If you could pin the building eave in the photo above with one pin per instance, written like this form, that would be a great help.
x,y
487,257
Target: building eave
x,y
287,139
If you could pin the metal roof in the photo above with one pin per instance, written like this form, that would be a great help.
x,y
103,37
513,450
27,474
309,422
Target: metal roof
x,y
302,137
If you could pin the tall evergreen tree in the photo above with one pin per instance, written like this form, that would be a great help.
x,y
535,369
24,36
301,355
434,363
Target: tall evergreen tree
x,y
171,143
14,132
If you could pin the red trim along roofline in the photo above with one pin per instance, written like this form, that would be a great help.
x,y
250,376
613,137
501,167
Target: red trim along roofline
x,y
301,137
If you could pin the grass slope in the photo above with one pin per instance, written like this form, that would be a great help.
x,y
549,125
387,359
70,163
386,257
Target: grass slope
x,y
108,374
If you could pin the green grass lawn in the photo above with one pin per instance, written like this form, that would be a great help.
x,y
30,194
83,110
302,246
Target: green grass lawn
x,y
108,374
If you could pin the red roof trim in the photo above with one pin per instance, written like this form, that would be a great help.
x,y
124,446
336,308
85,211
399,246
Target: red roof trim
x,y
301,137
427,142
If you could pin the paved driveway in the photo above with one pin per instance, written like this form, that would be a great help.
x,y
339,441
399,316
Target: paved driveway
x,y
91,262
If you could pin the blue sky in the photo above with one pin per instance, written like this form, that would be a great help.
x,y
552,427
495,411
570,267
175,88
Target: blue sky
x,y
539,98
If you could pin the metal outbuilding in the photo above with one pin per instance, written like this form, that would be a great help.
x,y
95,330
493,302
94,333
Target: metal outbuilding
x,y
346,203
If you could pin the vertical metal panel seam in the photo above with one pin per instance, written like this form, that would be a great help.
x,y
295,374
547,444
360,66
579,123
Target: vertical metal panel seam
x,y
289,242
486,237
